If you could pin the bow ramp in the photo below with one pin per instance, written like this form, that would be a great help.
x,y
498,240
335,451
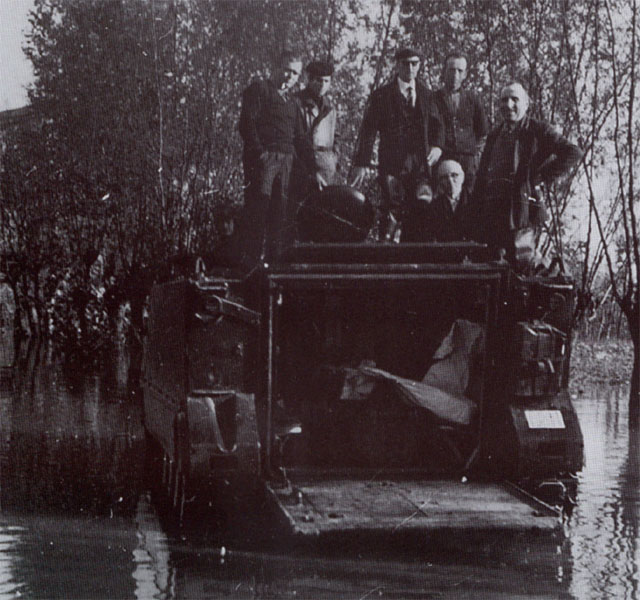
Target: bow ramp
x,y
316,507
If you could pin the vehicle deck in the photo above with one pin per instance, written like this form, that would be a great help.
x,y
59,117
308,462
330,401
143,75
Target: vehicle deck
x,y
312,508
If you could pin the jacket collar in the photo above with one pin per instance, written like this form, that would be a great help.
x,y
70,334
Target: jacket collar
x,y
286,96
403,86
309,100
521,125
445,203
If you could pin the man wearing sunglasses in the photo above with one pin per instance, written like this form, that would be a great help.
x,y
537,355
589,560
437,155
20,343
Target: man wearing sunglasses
x,y
411,140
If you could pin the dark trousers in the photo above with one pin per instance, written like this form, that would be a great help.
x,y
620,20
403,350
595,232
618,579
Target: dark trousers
x,y
519,243
303,181
400,192
266,225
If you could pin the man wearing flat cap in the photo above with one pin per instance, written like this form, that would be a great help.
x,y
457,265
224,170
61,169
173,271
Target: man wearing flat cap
x,y
411,139
317,156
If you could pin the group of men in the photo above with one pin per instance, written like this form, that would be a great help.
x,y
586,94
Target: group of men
x,y
288,146
443,175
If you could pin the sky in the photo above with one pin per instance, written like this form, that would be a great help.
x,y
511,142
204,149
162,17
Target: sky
x,y
15,69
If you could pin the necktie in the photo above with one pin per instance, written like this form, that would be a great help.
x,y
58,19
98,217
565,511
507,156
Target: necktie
x,y
410,97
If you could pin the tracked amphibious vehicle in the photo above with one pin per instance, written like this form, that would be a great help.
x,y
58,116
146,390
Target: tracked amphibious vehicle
x,y
364,386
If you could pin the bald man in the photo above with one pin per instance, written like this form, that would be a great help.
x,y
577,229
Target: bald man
x,y
520,154
445,218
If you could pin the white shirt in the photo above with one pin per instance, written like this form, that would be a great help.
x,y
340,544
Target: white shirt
x,y
404,89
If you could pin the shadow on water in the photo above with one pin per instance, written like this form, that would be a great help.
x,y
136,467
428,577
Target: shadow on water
x,y
80,517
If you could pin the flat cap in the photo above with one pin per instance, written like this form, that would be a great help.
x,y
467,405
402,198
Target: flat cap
x,y
319,68
407,52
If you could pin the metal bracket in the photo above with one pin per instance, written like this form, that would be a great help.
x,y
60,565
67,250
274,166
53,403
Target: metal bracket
x,y
218,307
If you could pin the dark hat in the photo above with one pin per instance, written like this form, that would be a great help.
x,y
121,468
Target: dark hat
x,y
319,68
407,52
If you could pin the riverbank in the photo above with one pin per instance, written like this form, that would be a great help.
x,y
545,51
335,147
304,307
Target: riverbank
x,y
600,362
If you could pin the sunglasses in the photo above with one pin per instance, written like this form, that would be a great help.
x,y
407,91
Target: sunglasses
x,y
412,63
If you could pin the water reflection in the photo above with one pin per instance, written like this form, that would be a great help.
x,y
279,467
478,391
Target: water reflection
x,y
65,447
631,510
603,534
78,519
71,473
153,574
10,537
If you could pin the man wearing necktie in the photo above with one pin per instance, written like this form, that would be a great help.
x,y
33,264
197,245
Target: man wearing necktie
x,y
270,126
411,139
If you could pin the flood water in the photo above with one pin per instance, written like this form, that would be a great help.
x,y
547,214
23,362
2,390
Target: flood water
x,y
78,517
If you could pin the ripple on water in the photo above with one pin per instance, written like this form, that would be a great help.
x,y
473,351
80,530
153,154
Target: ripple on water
x,y
603,534
11,585
77,521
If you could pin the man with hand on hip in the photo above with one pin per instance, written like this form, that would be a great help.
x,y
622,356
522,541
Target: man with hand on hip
x,y
520,155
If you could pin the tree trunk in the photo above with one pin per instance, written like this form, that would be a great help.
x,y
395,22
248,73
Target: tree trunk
x,y
137,300
634,393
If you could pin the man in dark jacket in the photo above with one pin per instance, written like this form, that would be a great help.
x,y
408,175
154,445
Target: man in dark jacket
x,y
519,155
269,125
445,218
411,136
464,119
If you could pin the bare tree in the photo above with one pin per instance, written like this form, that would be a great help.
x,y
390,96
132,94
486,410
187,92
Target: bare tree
x,y
607,113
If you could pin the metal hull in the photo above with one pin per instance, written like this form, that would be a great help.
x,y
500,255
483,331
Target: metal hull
x,y
246,381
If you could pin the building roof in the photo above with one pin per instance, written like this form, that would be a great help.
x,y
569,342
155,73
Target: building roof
x,y
15,116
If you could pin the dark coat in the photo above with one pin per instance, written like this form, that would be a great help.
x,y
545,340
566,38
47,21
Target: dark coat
x,y
384,115
541,155
268,122
438,222
465,128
